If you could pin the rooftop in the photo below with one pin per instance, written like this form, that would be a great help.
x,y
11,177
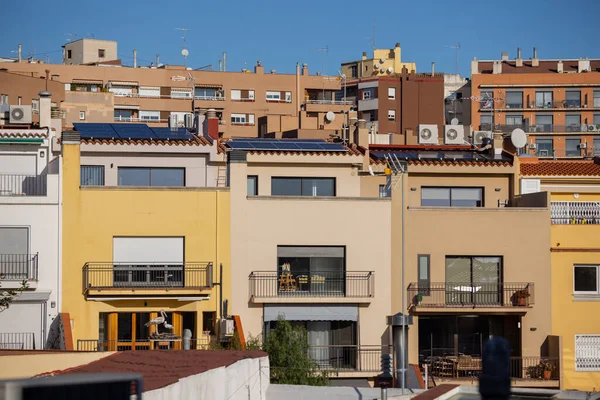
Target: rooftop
x,y
23,133
291,146
545,66
162,368
439,155
137,134
572,168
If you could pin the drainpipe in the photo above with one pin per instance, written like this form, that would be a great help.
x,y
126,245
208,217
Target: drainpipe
x,y
224,61
135,59
20,51
157,59
297,88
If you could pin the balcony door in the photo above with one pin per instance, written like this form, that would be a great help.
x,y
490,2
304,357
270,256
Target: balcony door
x,y
474,281
14,257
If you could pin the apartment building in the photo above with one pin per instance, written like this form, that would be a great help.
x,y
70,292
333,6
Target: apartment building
x,y
475,262
30,232
457,99
306,246
557,102
385,62
397,107
89,51
146,236
575,247
165,95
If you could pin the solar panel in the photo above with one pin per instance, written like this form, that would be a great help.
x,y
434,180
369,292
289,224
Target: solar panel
x,y
133,131
95,131
285,144
290,146
267,145
333,147
173,134
241,145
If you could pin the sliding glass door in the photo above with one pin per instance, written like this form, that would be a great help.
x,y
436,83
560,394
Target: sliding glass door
x,y
473,281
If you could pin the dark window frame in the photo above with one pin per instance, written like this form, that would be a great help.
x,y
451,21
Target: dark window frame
x,y
587,292
302,178
101,53
81,183
450,192
255,178
183,169
472,257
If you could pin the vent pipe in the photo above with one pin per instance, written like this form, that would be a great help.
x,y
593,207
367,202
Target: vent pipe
x,y
518,52
157,59
135,59
20,51
432,68
224,61
220,65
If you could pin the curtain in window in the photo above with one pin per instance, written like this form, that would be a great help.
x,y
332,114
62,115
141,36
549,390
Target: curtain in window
x,y
92,175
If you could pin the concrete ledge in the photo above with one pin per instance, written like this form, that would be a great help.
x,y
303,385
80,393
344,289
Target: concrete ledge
x,y
154,188
319,198
309,300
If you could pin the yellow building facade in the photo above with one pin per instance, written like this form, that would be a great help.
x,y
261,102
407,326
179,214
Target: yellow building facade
x,y
574,188
110,298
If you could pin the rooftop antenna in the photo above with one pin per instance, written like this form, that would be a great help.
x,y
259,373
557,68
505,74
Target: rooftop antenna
x,y
373,37
185,51
457,48
325,50
70,37
91,36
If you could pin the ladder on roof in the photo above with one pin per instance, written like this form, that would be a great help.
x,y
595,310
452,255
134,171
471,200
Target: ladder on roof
x,y
222,176
398,168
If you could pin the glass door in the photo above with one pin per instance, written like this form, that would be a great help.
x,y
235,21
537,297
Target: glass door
x,y
486,281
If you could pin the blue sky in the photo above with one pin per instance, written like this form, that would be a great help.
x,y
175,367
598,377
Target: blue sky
x,y
281,33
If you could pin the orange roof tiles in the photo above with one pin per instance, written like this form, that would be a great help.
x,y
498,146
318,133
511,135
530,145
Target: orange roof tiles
x,y
562,168
24,133
200,141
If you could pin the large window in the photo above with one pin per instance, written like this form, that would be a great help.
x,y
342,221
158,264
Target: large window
x,y
284,186
514,99
149,115
473,280
596,103
123,115
279,96
572,147
92,175
451,197
544,147
252,182
585,279
597,146
543,123
543,99
514,119
573,98
573,123
423,273
142,176
486,121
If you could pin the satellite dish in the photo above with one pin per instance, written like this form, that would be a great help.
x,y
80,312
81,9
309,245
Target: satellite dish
x,y
185,52
390,70
454,121
382,70
330,116
518,138
377,66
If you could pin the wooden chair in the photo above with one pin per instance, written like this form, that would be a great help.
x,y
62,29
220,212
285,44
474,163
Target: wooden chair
x,y
287,282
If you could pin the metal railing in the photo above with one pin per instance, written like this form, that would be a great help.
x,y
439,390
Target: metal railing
x,y
535,105
541,128
23,185
526,368
140,344
575,212
354,358
102,276
216,98
312,284
17,341
330,101
135,119
467,294
19,267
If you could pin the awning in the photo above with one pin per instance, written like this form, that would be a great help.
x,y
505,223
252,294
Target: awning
x,y
181,89
208,85
87,82
304,312
149,87
37,296
126,107
123,83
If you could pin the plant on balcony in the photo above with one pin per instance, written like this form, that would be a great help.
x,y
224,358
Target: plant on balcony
x,y
10,295
543,370
519,298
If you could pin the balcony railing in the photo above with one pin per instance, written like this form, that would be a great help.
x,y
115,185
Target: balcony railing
x,y
135,119
330,101
312,284
19,267
104,276
467,294
538,105
17,341
215,98
23,185
202,343
575,212
542,128
349,358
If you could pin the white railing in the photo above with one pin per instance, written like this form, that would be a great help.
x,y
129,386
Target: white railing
x,y
243,99
217,98
279,100
575,212
329,101
143,120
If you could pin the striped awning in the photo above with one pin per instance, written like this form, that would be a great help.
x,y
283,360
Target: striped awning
x,y
126,107
149,87
208,85
123,83
88,81
181,89
305,312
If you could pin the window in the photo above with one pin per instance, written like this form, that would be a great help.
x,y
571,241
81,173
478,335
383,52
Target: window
x,y
392,93
572,147
514,99
252,182
19,100
543,99
487,99
384,191
302,186
140,176
238,119
35,105
81,115
149,91
205,93
423,274
451,197
14,240
149,115
473,280
596,99
585,279
354,71
587,356
101,53
209,319
573,122
514,119
544,147
597,146
486,122
543,123
368,94
69,54
123,115
236,94
273,96
573,99
391,115
288,97
181,93
92,175
3,99
597,120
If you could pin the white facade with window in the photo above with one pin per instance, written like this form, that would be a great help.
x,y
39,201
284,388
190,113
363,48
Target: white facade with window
x,y
242,119
273,96
146,115
149,91
121,91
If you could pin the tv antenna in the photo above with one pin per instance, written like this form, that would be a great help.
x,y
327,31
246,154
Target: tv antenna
x,y
184,51
70,37
325,50
91,36
373,37
457,48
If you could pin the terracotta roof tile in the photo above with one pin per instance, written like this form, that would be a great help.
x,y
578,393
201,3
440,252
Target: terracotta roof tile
x,y
200,141
562,168
24,133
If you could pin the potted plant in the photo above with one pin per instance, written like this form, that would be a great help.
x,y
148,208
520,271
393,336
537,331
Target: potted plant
x,y
547,367
519,298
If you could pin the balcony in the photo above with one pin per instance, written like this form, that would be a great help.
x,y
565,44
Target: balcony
x,y
110,278
542,128
202,343
352,358
17,341
468,295
211,98
139,120
19,267
326,105
23,185
271,287
368,104
575,212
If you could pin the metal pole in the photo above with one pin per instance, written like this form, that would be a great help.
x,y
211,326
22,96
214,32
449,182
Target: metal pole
x,y
383,392
221,290
403,340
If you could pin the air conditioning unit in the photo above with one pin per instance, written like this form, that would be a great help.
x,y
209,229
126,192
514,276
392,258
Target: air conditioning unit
x,y
20,115
592,128
428,134
226,327
189,121
583,145
478,136
454,134
532,146
173,121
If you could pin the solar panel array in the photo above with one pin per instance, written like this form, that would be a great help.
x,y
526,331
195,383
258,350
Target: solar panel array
x,y
131,132
285,145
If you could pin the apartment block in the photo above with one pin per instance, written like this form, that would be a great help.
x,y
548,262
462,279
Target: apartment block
x,y
457,98
556,102
89,51
385,62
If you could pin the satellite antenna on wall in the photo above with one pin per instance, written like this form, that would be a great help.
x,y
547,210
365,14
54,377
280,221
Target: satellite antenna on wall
x,y
454,121
518,137
185,51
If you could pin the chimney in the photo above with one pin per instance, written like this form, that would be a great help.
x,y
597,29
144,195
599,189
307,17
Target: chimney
x,y
224,61
220,65
210,127
364,55
535,61
432,68
519,60
45,104
135,59
583,65
259,69
361,134
497,67
20,51
157,60
305,69
559,67
505,56
474,66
